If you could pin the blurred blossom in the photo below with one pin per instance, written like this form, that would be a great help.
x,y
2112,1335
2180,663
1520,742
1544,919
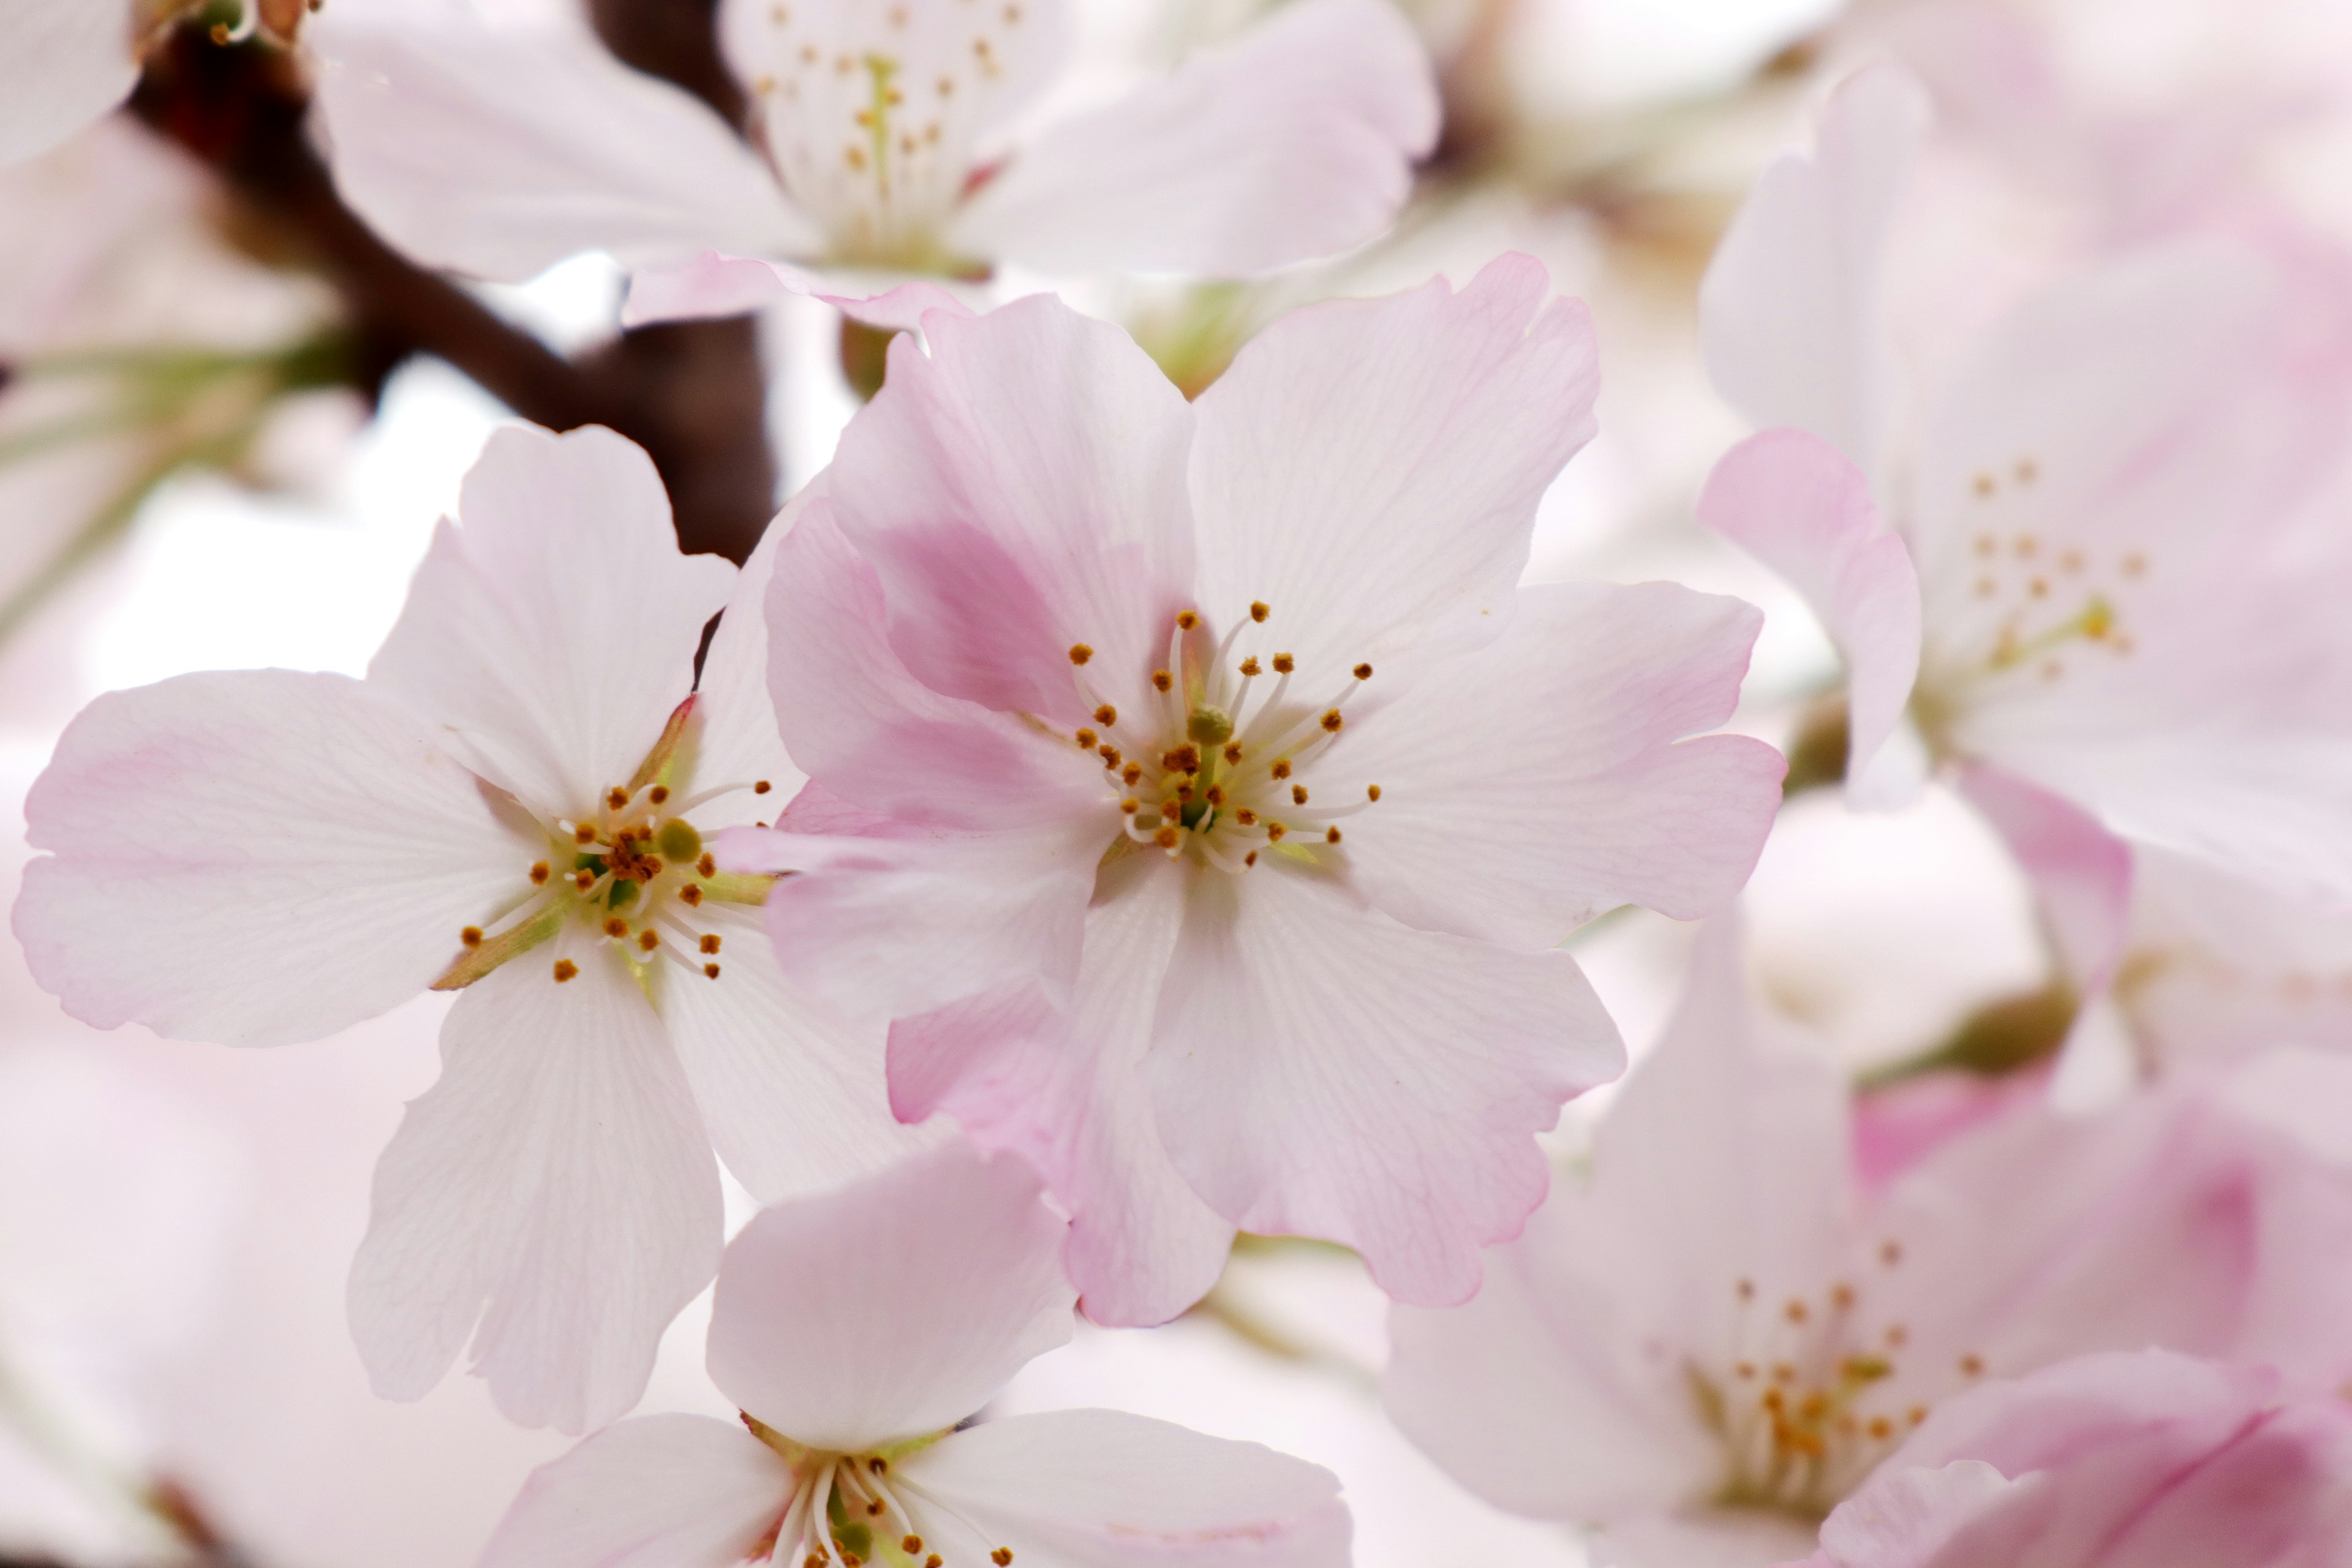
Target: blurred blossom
x,y
879,148
1715,1339
1137,910
137,340
2111,1461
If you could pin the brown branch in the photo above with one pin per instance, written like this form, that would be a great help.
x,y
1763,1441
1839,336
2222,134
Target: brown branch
x,y
691,393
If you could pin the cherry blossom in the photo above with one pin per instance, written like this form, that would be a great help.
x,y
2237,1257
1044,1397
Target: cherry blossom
x,y
856,1331
66,63
2089,563
1717,1338
514,805
2111,1461
1195,789
880,145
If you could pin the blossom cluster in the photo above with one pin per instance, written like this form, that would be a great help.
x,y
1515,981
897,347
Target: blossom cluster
x,y
1160,801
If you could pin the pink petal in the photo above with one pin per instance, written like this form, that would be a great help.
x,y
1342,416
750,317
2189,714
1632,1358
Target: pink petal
x,y
735,737
882,741
1790,309
556,1185
1529,785
883,928
554,630
1795,503
894,1308
502,150
1371,467
1100,1489
793,1095
67,62
1900,1124
1906,1516
254,858
1320,1069
661,1491
1019,490
1064,1088
1297,141
2081,874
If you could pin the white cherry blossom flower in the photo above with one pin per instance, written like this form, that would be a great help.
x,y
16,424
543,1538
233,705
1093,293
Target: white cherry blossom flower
x,y
514,803
856,1331
882,143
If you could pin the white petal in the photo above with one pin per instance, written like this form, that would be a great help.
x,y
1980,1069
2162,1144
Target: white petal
x,y
500,150
874,113
1100,1489
1534,1394
1789,311
254,858
556,1184
1528,786
662,1491
553,627
67,62
735,740
1320,1069
1019,491
1065,1089
1296,141
1370,469
1798,505
894,1308
795,1097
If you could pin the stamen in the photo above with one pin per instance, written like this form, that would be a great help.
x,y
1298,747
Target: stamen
x,y
1259,611
1162,681
659,795
538,873
471,936
564,970
710,943
1080,653
1186,620
1105,715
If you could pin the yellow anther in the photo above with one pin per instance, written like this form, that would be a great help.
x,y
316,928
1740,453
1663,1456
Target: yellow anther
x,y
564,970
1080,653
1258,610
1283,664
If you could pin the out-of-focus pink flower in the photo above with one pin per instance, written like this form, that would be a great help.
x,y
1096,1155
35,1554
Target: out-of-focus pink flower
x,y
2104,594
1718,1337
854,1330
882,143
67,62
1229,799
512,803
2146,1460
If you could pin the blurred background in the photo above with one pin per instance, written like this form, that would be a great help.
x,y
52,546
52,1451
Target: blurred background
x,y
229,418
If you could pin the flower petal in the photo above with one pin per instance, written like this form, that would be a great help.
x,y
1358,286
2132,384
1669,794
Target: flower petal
x,y
67,62
1320,1069
894,1308
880,739
1788,313
254,858
1530,785
1905,1517
2081,874
1019,491
1065,1089
1795,503
553,628
555,1184
1295,142
716,284
661,1491
794,1097
1101,1489
499,150
1370,469
874,115
735,739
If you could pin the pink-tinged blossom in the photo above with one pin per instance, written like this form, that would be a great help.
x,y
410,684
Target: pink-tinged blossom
x,y
1717,1337
514,805
2088,559
1207,800
881,143
67,62
854,1330
2146,1460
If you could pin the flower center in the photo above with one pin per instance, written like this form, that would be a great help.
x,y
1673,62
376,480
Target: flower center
x,y
634,869
1218,762
848,1510
1812,1397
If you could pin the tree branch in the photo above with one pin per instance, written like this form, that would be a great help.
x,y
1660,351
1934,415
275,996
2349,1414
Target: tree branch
x,y
690,394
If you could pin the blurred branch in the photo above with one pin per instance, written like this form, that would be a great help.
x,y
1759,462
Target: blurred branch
x,y
691,393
